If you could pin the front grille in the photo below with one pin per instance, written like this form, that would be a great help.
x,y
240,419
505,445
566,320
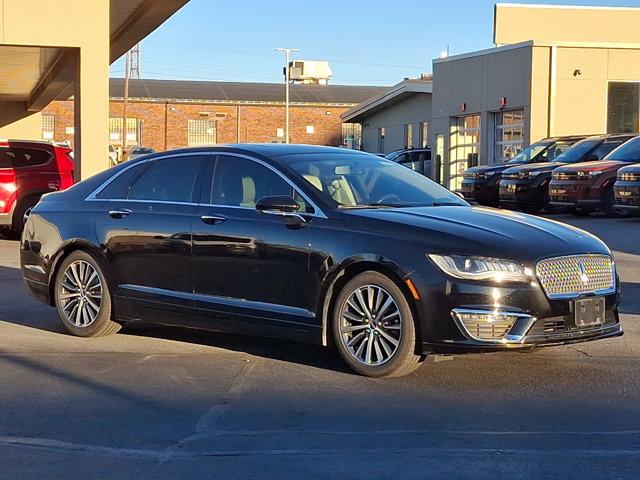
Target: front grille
x,y
576,275
484,330
470,175
564,176
511,176
563,326
629,177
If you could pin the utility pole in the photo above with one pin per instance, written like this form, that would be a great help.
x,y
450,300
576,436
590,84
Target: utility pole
x,y
127,74
287,54
135,62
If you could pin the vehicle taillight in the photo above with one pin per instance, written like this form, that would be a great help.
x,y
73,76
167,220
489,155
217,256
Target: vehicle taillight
x,y
8,188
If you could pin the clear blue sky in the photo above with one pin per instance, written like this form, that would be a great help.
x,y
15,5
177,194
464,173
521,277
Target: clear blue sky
x,y
368,42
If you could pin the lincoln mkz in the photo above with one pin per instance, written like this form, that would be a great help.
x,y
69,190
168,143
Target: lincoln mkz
x,y
317,244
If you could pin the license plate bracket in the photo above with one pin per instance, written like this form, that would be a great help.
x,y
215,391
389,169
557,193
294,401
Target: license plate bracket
x,y
589,312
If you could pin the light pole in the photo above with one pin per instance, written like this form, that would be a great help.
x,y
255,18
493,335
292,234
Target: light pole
x,y
287,53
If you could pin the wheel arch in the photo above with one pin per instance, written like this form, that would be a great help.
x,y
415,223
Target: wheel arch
x,y
349,269
66,249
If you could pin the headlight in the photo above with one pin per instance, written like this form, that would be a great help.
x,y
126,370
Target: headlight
x,y
535,173
482,268
592,174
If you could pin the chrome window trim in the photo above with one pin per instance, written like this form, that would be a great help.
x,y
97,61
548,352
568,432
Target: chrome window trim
x,y
105,184
570,296
318,212
92,196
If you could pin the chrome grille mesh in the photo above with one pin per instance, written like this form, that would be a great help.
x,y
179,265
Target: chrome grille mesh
x,y
576,275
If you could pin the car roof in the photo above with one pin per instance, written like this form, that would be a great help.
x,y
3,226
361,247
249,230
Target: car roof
x,y
269,150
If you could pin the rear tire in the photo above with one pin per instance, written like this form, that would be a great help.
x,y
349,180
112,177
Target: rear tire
x,y
374,327
82,297
23,208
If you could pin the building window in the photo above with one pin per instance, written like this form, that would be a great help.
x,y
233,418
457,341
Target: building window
x,y
464,149
48,126
201,132
352,135
623,107
381,134
424,134
134,130
509,135
408,135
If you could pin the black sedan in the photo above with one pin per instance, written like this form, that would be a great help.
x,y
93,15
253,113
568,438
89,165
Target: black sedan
x,y
315,244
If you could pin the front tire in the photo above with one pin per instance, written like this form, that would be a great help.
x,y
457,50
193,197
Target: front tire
x,y
82,297
374,327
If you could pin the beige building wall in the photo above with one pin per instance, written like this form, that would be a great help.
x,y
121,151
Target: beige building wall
x,y
561,23
569,93
63,23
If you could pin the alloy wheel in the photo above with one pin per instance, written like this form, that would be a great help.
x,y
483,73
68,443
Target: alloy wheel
x,y
80,293
370,325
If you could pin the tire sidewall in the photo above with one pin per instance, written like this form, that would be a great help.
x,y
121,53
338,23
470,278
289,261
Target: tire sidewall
x,y
407,341
103,319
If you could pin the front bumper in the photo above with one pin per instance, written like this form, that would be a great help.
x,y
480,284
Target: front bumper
x,y
482,192
541,321
574,194
627,196
518,193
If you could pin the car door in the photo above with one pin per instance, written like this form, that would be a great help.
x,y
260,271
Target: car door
x,y
249,265
145,226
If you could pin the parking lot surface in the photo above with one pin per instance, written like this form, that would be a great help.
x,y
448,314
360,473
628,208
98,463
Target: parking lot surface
x,y
157,402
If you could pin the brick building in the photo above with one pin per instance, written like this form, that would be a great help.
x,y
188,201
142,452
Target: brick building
x,y
166,114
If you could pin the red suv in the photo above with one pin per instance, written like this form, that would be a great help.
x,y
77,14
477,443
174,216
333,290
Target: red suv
x,y
29,169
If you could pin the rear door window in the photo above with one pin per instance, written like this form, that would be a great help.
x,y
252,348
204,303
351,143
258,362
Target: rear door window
x,y
170,179
16,157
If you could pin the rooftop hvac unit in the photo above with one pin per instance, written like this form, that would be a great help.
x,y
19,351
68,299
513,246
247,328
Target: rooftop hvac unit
x,y
308,71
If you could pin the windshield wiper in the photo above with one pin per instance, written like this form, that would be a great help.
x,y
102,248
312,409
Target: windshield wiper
x,y
447,204
378,205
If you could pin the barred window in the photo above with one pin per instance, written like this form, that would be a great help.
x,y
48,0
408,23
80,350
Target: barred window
x,y
134,131
48,126
352,135
201,132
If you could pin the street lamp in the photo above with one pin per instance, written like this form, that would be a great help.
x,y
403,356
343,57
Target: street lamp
x,y
287,53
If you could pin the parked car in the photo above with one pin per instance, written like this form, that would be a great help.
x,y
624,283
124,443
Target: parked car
x,y
627,189
586,187
28,170
526,187
417,159
113,155
482,183
136,152
317,244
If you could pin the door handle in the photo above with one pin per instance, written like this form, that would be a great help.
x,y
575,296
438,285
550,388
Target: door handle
x,y
117,214
212,219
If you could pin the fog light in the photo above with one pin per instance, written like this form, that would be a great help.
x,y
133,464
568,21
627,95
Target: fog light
x,y
490,325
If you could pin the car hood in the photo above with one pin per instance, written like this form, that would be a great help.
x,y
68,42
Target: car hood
x,y
477,231
532,167
604,165
487,169
635,168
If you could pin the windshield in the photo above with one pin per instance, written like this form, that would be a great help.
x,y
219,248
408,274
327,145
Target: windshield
x,y
577,152
359,181
627,152
530,153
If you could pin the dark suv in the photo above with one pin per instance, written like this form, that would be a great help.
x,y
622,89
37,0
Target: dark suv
x,y
627,189
417,159
481,183
586,187
526,187
29,169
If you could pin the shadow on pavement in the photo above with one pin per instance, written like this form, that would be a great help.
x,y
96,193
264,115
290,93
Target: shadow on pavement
x,y
630,293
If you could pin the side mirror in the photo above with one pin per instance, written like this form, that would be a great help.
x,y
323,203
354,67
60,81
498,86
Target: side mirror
x,y
277,203
283,206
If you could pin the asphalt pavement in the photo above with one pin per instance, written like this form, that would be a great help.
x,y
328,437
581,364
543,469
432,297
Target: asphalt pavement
x,y
156,402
